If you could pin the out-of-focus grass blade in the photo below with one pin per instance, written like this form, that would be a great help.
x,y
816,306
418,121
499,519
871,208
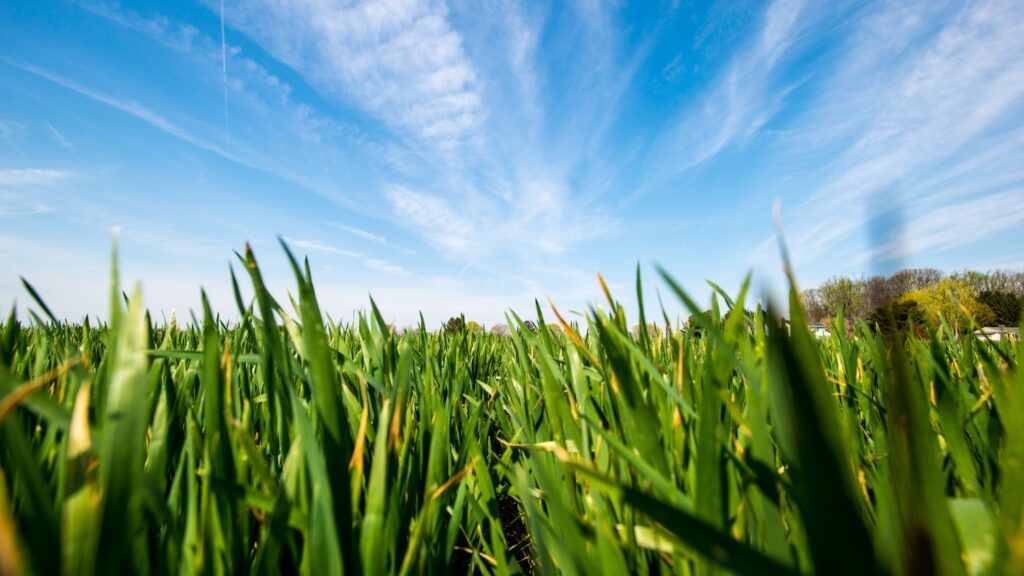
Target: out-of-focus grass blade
x,y
38,299
337,441
645,338
372,549
725,295
9,338
927,526
220,460
81,504
121,449
977,532
11,563
268,554
26,477
323,554
276,364
822,485
710,542
1008,393
647,471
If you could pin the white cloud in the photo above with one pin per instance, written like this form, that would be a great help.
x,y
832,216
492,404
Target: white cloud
x,y
522,39
434,218
360,233
270,129
11,212
371,237
385,266
9,128
242,74
941,128
952,225
20,190
125,105
18,177
59,138
319,246
405,64
398,59
372,263
536,223
742,98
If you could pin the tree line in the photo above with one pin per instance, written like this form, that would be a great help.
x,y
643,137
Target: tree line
x,y
921,296
911,297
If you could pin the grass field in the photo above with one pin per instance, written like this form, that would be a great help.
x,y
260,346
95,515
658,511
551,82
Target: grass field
x,y
284,443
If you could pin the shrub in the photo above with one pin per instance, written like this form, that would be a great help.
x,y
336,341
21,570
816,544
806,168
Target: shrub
x,y
455,324
1006,307
905,315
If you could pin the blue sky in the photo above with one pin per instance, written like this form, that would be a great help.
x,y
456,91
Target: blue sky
x,y
471,156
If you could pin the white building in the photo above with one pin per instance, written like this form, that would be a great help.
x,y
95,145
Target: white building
x,y
997,333
820,331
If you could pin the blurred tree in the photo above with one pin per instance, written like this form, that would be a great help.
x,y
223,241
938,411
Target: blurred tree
x,y
869,298
845,292
994,281
693,324
814,305
1007,307
652,330
904,315
912,279
943,300
500,330
455,324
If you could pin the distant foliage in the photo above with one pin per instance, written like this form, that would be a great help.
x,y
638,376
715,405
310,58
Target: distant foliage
x,y
1006,307
692,324
944,301
906,316
652,330
455,324
500,330
870,298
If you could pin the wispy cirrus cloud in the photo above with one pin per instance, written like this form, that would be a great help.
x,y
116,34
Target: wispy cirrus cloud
x,y
126,105
371,237
18,177
273,131
11,128
950,225
20,187
433,217
360,233
534,224
246,75
746,94
14,212
320,246
377,264
408,66
953,92
59,138
400,60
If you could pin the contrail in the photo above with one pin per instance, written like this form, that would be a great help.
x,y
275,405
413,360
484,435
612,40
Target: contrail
x,y
224,77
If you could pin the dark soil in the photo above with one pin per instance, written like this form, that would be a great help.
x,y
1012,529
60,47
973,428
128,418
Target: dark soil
x,y
516,534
